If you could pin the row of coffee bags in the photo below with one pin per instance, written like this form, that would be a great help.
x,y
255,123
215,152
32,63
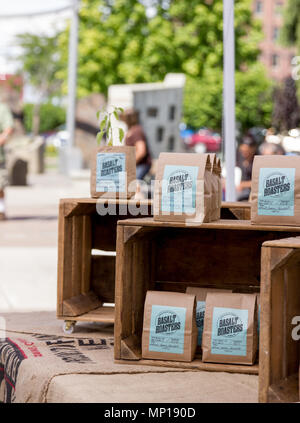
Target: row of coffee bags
x,y
275,190
222,324
187,188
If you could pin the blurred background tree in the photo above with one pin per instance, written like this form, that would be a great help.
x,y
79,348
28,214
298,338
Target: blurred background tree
x,y
286,112
123,41
40,61
290,33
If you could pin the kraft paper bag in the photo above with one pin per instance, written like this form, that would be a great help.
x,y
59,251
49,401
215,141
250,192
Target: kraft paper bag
x,y
215,187
169,331
230,329
113,172
200,294
220,190
275,190
182,190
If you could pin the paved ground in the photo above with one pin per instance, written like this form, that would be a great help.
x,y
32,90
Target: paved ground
x,y
28,241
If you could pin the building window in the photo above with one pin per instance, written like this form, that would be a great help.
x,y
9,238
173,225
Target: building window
x,y
152,111
275,60
171,142
172,111
159,134
275,34
259,7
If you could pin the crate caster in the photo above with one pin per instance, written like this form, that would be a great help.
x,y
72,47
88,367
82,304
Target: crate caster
x,y
69,326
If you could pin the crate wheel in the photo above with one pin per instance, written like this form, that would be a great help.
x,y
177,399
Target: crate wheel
x,y
69,326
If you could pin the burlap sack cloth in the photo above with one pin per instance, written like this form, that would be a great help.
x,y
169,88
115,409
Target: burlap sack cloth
x,y
38,363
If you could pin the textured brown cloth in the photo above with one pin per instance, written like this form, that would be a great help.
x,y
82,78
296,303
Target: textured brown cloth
x,y
38,363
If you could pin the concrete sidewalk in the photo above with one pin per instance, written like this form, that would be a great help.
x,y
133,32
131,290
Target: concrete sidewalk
x,y
28,241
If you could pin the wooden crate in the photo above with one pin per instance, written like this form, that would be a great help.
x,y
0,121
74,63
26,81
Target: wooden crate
x,y
86,258
86,281
280,302
237,210
171,256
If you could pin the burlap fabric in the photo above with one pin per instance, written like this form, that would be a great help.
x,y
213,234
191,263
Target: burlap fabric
x,y
38,363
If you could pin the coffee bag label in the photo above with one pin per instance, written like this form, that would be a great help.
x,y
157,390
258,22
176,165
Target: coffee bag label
x,y
200,312
111,172
179,189
229,331
276,192
167,329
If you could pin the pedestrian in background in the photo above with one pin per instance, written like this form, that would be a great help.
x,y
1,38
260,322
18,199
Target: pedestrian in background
x,y
6,129
246,153
269,148
136,137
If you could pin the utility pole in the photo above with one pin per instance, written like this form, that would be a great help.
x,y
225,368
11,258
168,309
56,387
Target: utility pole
x,y
72,72
73,159
229,97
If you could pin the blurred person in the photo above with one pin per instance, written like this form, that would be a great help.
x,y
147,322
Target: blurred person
x,y
246,153
269,148
6,129
135,136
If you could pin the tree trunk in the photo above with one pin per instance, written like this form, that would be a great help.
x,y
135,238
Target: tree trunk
x,y
36,119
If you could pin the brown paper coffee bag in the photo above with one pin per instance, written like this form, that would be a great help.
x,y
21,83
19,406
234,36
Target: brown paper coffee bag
x,y
230,329
215,187
220,190
169,331
275,190
183,188
113,172
200,307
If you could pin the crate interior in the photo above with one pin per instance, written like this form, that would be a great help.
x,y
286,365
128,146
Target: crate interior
x,y
88,291
170,259
285,348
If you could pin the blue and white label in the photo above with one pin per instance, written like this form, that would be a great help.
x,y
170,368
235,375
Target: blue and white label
x,y
167,329
200,313
179,187
276,190
229,331
111,172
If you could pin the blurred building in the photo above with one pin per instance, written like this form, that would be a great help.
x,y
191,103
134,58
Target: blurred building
x,y
276,58
159,106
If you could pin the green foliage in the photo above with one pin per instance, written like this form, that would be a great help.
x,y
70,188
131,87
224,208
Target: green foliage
x,y
51,117
290,32
120,43
40,60
106,127
203,101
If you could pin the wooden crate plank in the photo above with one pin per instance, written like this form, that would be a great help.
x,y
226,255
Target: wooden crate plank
x,y
292,291
75,306
119,292
285,391
277,347
64,265
86,254
196,364
103,277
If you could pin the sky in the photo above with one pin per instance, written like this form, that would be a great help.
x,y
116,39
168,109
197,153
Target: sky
x,y
9,27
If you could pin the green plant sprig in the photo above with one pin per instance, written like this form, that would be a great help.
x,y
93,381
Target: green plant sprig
x,y
105,126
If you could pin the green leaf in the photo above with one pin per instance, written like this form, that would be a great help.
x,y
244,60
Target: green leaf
x,y
121,135
99,137
103,123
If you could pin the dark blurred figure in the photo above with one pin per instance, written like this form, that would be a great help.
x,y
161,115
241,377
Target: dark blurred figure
x,y
135,136
269,148
246,153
